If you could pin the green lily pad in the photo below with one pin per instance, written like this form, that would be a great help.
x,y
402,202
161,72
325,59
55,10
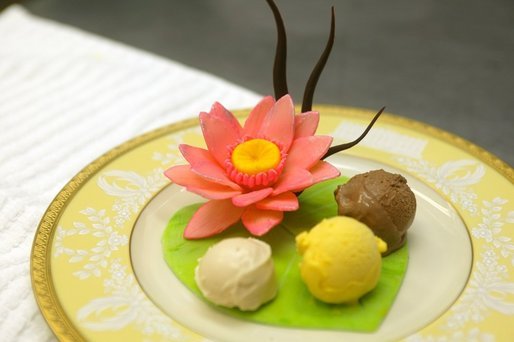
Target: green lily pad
x,y
293,306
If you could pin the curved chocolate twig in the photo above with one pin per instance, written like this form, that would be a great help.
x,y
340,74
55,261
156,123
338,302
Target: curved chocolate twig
x,y
342,147
280,79
316,72
279,67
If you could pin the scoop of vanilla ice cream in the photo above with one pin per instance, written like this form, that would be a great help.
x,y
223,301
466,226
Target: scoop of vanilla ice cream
x,y
341,259
237,272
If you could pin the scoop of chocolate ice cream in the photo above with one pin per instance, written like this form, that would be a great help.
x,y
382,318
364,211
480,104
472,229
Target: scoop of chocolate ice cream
x,y
381,200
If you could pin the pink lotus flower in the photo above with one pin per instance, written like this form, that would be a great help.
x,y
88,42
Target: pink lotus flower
x,y
252,172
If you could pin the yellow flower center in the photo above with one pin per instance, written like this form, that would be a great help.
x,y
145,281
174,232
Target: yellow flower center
x,y
255,155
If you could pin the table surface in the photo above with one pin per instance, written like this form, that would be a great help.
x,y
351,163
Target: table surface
x,y
446,63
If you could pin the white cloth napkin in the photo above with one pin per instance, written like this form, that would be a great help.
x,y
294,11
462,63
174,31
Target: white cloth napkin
x,y
66,97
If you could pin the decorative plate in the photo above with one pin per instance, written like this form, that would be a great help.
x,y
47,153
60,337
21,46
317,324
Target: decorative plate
x,y
98,272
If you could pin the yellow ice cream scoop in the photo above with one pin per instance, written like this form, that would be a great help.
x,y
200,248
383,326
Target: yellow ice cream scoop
x,y
341,259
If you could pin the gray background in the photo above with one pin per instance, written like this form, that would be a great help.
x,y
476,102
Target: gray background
x,y
447,63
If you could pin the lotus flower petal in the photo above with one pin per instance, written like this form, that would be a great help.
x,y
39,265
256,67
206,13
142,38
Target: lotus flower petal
x,y
305,124
213,172
182,175
259,222
286,201
212,218
220,129
323,171
245,200
278,125
205,165
307,151
293,179
257,116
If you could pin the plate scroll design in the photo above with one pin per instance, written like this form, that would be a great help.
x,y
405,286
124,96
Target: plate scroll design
x,y
490,288
131,191
453,179
124,302
107,230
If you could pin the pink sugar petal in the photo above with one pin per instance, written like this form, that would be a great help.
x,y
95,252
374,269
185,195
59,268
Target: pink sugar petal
x,y
279,123
286,201
219,112
245,200
305,124
203,164
307,151
293,179
214,193
323,171
212,218
182,175
220,129
257,115
259,222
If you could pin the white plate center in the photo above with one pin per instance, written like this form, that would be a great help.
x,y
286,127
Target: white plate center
x,y
440,256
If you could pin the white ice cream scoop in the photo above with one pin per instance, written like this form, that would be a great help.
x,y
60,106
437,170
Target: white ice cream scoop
x,y
237,272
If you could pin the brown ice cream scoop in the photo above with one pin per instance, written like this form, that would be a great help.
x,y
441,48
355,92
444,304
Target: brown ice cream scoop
x,y
381,200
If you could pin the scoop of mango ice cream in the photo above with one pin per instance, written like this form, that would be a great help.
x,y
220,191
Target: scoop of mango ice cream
x,y
341,259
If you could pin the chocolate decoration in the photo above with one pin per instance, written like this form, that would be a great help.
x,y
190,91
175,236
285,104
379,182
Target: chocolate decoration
x,y
279,67
280,78
316,72
342,147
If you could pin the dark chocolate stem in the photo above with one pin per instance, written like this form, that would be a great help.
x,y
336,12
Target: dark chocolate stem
x,y
310,87
342,147
279,68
